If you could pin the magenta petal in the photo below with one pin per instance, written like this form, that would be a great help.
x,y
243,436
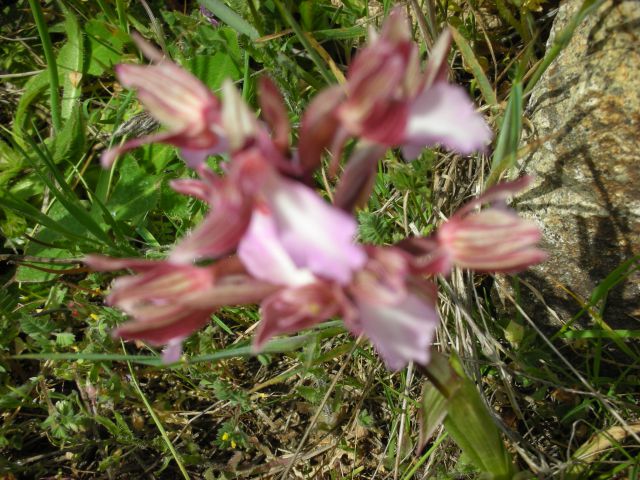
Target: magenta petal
x,y
401,332
265,257
220,231
100,263
316,235
274,111
444,114
498,194
194,157
470,241
293,309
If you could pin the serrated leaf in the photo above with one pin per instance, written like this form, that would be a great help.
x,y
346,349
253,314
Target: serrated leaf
x,y
65,339
36,327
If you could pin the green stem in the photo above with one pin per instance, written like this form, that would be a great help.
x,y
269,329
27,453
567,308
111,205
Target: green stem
x,y
158,423
52,67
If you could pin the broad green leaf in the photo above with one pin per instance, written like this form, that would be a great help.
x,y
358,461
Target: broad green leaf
x,y
136,192
468,420
34,87
106,44
10,163
214,69
70,62
47,236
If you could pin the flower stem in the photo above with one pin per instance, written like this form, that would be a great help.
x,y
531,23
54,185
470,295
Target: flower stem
x,y
52,67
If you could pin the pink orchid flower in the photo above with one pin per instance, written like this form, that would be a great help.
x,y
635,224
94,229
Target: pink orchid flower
x,y
492,240
387,100
394,309
315,235
382,300
168,302
190,112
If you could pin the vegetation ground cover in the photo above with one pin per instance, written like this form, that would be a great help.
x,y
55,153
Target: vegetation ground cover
x,y
76,403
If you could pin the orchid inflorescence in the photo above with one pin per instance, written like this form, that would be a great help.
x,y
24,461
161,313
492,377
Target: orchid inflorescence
x,y
270,238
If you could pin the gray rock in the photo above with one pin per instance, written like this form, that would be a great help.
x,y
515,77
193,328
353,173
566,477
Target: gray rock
x,y
586,111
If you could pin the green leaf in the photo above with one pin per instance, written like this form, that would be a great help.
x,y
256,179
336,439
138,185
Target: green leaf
x,y
231,18
8,200
505,154
136,192
106,44
214,69
36,327
69,143
70,62
432,413
34,87
468,420
65,339
483,82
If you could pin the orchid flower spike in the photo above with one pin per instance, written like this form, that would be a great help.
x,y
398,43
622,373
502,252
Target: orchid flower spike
x,y
389,101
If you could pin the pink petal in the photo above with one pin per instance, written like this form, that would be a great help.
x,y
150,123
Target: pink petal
x,y
265,257
318,128
493,240
100,263
401,332
162,331
293,309
497,194
173,96
220,231
356,183
444,114
316,235
109,156
437,68
172,352
274,111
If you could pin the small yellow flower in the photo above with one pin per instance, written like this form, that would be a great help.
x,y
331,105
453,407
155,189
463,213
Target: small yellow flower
x,y
233,444
94,316
225,436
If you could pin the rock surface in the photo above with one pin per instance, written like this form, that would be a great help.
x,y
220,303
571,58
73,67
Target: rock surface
x,y
586,111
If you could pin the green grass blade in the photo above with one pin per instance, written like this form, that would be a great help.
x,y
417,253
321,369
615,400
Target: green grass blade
x,y
561,40
468,420
302,37
20,206
64,194
483,82
282,345
231,18
505,154
156,420
52,67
